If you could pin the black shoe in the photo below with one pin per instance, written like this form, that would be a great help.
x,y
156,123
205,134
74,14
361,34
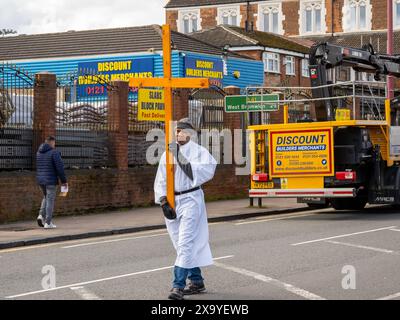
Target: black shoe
x,y
176,294
194,288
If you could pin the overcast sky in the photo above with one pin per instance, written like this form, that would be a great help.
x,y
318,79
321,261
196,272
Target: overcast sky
x,y
44,16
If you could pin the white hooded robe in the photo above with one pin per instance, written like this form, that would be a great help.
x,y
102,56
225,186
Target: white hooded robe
x,y
189,231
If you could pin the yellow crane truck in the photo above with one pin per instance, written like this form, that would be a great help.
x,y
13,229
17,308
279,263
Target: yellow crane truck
x,y
348,154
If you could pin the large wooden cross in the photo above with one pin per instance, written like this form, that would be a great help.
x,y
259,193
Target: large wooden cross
x,y
167,82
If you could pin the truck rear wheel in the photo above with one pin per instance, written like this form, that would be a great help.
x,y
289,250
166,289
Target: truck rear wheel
x,y
357,203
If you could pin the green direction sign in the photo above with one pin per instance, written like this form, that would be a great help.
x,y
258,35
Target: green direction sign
x,y
254,103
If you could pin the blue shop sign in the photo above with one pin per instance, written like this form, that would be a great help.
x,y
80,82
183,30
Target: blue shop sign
x,y
95,75
205,68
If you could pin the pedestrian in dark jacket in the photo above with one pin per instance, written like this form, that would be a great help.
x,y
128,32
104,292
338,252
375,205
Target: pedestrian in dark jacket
x,y
49,170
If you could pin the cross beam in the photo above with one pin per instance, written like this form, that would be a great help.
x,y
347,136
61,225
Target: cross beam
x,y
167,82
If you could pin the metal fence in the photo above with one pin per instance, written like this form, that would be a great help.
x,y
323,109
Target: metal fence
x,y
206,108
81,121
16,118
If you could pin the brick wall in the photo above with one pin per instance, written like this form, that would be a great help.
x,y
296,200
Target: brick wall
x,y
290,10
101,189
171,18
379,16
209,18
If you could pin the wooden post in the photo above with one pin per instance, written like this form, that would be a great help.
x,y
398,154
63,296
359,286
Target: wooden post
x,y
167,82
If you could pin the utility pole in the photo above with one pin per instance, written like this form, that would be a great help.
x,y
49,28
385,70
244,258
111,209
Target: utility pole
x,y
390,80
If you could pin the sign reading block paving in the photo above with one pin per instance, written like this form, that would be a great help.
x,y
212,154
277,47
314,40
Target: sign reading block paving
x,y
151,105
255,103
301,152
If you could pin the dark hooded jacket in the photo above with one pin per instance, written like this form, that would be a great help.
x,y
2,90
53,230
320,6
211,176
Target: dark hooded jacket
x,y
49,166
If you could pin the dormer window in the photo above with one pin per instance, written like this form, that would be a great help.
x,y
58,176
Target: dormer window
x,y
270,17
229,15
312,17
189,21
357,15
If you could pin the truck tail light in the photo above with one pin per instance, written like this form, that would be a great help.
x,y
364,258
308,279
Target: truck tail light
x,y
346,175
261,177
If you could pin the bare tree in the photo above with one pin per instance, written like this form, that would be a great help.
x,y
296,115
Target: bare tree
x,y
5,32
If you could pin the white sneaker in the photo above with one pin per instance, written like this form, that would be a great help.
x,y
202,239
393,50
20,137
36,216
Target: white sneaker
x,y
40,221
50,226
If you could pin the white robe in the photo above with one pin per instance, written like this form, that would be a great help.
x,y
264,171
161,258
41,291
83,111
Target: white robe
x,y
189,231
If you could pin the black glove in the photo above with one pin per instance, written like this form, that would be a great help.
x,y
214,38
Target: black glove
x,y
169,212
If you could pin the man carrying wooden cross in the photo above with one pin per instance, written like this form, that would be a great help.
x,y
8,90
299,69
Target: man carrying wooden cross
x,y
187,225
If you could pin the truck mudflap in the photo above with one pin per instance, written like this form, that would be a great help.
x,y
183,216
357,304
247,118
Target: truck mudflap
x,y
301,193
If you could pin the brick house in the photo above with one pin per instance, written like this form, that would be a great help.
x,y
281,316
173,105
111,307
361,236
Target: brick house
x,y
285,60
285,17
345,22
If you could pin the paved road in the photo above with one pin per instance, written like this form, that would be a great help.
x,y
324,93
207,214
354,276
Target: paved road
x,y
308,255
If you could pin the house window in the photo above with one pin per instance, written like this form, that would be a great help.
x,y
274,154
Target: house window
x,y
271,62
290,66
396,12
230,16
312,17
270,19
305,72
189,21
357,15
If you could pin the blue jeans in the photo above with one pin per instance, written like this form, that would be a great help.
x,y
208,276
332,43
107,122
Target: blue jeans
x,y
181,274
47,207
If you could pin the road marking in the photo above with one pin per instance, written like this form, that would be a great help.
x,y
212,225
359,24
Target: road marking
x,y
85,294
391,297
282,285
343,235
114,240
274,219
363,247
394,230
100,280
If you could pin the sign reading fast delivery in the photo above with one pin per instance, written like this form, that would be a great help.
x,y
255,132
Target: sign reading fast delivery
x,y
93,74
212,69
301,153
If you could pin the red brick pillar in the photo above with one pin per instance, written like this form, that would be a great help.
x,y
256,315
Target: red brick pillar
x,y
44,109
118,124
232,120
181,104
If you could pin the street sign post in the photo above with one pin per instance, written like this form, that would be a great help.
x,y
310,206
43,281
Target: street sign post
x,y
253,103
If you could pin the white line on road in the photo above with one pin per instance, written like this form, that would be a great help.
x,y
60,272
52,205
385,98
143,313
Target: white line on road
x,y
274,219
391,297
288,287
85,294
343,235
394,230
114,240
363,247
100,280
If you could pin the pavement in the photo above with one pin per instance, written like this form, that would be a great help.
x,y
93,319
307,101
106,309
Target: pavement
x,y
27,233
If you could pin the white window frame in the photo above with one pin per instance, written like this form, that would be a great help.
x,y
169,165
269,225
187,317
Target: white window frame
x,y
268,8
348,24
312,5
229,11
396,23
267,56
290,63
305,71
190,14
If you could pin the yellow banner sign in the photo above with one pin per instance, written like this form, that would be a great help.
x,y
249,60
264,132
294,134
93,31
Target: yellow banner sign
x,y
151,106
301,153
